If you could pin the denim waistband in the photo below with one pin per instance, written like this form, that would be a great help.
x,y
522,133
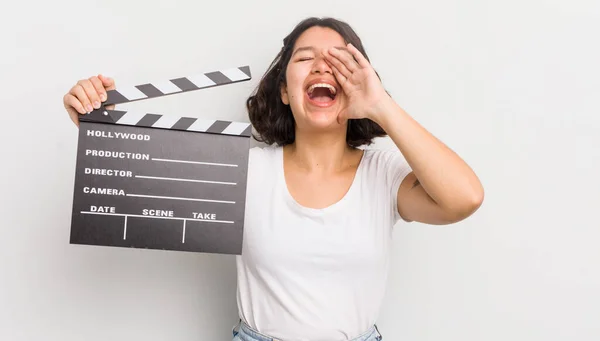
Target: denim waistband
x,y
247,333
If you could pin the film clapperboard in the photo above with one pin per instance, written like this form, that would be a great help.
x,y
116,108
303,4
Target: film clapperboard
x,y
163,182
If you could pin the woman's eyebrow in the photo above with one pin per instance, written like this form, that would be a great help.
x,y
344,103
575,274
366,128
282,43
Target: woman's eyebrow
x,y
344,48
304,48
312,48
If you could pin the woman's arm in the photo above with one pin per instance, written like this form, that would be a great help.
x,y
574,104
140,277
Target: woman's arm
x,y
442,188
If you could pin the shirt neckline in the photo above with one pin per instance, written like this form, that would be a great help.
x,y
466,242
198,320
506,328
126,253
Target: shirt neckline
x,y
317,211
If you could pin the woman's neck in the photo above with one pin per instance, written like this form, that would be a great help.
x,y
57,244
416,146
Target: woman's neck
x,y
328,153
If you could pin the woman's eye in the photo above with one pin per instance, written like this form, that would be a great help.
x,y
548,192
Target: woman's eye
x,y
304,59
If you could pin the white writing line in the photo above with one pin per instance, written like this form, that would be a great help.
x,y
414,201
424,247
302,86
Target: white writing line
x,y
125,229
183,237
190,180
178,198
154,217
196,162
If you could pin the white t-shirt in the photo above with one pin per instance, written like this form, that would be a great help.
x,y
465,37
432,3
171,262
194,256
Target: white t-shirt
x,y
317,274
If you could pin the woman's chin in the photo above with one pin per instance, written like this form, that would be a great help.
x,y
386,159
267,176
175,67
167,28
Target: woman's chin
x,y
322,119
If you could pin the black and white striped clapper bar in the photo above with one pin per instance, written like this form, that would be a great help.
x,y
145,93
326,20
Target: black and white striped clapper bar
x,y
161,182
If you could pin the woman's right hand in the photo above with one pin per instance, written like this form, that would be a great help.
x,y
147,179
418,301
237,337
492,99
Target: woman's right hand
x,y
87,95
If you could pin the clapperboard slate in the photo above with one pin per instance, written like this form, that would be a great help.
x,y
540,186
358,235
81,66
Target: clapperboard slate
x,y
163,182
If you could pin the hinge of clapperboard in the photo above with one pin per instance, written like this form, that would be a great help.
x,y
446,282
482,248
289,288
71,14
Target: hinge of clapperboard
x,y
170,87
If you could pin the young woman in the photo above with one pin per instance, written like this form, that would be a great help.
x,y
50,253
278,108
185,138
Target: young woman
x,y
321,210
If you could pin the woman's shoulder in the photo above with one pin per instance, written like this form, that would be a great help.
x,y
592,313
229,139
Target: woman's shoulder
x,y
387,165
263,165
261,157
263,152
385,168
383,158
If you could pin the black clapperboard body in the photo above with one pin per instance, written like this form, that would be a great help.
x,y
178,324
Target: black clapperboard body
x,y
163,182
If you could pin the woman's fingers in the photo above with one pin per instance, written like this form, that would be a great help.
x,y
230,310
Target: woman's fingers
x,y
81,95
338,75
72,102
345,57
108,84
337,63
74,107
360,59
97,83
92,94
87,95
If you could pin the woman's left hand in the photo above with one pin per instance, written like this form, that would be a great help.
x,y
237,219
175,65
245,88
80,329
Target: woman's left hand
x,y
364,91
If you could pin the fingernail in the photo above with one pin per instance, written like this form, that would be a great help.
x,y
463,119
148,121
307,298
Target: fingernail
x,y
96,104
89,108
102,97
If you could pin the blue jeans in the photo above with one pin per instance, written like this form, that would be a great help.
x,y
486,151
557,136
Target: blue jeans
x,y
243,332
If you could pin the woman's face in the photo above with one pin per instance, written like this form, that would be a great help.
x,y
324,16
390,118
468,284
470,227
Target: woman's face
x,y
312,90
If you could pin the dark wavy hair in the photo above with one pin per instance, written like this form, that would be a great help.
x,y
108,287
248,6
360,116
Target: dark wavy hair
x,y
273,120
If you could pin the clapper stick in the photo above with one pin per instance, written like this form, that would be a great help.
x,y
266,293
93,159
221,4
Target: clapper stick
x,y
154,181
171,87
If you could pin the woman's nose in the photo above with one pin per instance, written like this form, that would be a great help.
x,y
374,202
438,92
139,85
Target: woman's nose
x,y
321,66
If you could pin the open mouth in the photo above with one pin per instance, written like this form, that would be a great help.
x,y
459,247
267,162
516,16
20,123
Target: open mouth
x,y
321,92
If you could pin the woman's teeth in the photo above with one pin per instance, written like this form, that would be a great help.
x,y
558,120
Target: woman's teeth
x,y
331,88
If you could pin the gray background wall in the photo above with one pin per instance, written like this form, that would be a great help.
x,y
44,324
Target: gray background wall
x,y
510,85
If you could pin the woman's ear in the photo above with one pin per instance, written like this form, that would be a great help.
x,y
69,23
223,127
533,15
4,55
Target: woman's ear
x,y
284,95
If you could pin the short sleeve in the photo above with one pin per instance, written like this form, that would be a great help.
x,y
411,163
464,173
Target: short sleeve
x,y
396,169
